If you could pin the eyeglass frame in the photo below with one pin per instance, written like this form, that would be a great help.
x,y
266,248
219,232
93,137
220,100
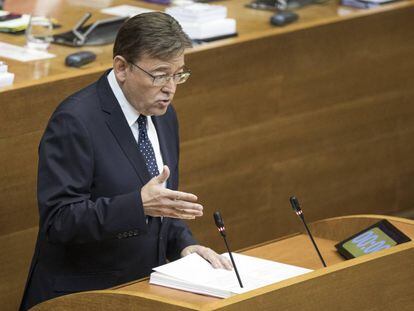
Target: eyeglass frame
x,y
168,78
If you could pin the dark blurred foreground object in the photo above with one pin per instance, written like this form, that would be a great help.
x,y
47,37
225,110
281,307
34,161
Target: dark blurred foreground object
x,y
99,33
79,59
283,18
274,5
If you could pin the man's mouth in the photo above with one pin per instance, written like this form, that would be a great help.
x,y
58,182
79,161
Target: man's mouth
x,y
164,102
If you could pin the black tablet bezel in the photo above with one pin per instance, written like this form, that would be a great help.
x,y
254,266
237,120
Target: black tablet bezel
x,y
384,225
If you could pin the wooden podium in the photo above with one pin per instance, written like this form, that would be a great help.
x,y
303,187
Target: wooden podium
x,y
379,281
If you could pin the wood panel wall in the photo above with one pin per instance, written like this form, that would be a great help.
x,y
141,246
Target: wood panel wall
x,y
325,113
343,285
24,114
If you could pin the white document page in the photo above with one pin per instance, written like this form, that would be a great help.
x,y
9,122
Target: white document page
x,y
22,54
125,10
254,272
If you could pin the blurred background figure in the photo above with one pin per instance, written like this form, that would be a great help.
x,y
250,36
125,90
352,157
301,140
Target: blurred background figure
x,y
36,7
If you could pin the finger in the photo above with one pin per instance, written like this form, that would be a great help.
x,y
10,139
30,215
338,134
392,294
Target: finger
x,y
185,252
188,250
226,263
176,209
210,255
183,215
182,196
172,213
214,259
161,178
193,208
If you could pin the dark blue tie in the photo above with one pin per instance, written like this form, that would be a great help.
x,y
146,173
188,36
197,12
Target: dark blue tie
x,y
145,147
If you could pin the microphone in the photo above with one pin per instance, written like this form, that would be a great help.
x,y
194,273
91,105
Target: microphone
x,y
296,208
220,226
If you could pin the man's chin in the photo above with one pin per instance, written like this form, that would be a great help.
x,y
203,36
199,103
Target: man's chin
x,y
161,107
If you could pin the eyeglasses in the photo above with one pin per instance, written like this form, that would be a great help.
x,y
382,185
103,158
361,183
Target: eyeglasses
x,y
162,80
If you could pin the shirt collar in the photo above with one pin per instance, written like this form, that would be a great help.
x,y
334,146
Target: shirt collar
x,y
131,114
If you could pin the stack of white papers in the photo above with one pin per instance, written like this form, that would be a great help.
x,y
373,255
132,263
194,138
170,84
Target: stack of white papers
x,y
22,54
203,21
125,10
365,4
91,3
194,274
198,12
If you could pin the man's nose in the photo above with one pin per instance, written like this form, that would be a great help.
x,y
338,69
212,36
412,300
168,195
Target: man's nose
x,y
170,87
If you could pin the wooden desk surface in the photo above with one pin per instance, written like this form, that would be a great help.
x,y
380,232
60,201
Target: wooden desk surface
x,y
294,250
251,24
321,109
339,277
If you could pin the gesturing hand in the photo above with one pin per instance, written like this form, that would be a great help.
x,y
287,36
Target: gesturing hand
x,y
216,260
159,201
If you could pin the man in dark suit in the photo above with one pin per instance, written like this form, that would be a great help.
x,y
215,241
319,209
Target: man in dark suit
x,y
108,172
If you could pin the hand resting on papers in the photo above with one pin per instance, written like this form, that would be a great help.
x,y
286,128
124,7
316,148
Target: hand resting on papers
x,y
216,260
159,201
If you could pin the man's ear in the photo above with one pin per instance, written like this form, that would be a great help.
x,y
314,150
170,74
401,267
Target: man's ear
x,y
120,68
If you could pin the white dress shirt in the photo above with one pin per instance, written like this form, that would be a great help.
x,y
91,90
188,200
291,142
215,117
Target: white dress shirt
x,y
131,115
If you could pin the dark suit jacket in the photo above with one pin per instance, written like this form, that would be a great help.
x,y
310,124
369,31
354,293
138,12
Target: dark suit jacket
x,y
93,232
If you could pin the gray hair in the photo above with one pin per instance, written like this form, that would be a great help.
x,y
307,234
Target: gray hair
x,y
155,34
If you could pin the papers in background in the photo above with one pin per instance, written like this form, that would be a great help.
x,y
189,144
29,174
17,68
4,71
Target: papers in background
x,y
378,1
365,4
125,10
199,21
22,54
203,21
210,29
97,4
197,13
193,273
14,25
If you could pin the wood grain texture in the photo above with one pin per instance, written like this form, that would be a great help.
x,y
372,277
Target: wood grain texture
x,y
251,24
15,256
107,301
378,281
324,113
321,108
369,285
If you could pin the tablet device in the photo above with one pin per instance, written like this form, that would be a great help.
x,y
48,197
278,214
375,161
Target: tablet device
x,y
99,33
379,236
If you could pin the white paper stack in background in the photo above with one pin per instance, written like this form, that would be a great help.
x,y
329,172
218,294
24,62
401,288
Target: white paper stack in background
x,y
203,21
125,10
197,12
22,54
194,274
96,4
365,4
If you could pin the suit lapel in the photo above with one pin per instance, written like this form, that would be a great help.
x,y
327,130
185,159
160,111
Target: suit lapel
x,y
119,127
163,140
162,133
